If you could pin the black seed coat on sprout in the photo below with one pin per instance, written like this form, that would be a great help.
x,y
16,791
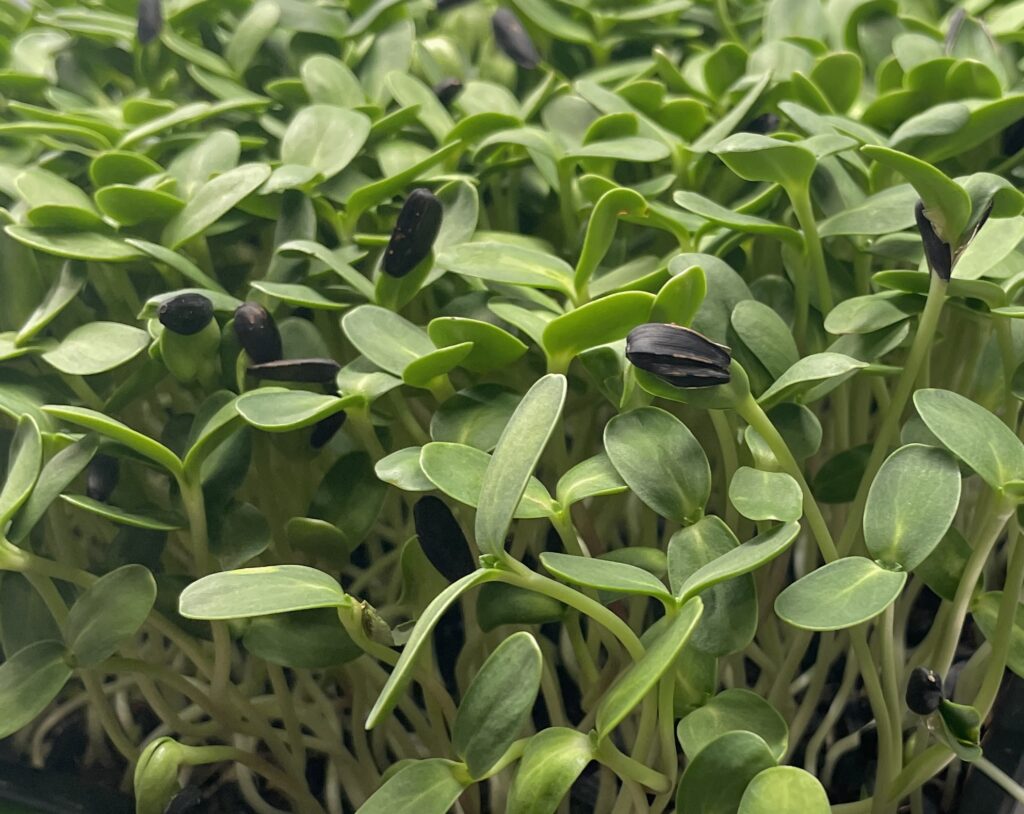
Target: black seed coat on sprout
x,y
1013,138
447,89
297,370
936,250
444,5
680,356
414,233
924,691
513,39
151,20
765,123
257,333
325,429
101,477
441,538
186,800
185,314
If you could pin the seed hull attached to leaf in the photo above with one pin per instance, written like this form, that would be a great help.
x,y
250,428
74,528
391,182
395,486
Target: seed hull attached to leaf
x,y
414,234
257,333
680,356
297,370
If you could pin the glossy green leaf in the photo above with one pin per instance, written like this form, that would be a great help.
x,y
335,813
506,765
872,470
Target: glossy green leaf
x,y
811,378
277,409
497,703
552,761
871,312
130,205
715,780
601,230
425,370
507,263
766,335
55,477
760,158
784,790
604,575
258,592
424,787
189,270
24,461
388,340
29,681
374,193
590,478
887,211
596,323
743,559
730,711
99,246
729,621
973,434
298,295
493,348
642,676
947,204
65,288
760,495
109,614
911,504
402,469
212,201
97,347
842,594
515,457
680,298
145,519
458,471
325,138
116,431
660,461
736,221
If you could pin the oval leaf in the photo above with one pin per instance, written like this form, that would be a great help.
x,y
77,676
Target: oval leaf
x,y
841,594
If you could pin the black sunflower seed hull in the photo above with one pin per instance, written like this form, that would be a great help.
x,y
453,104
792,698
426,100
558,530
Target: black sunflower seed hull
x,y
441,538
150,21
257,333
924,691
101,477
936,250
447,89
326,429
513,39
414,233
680,356
297,370
185,314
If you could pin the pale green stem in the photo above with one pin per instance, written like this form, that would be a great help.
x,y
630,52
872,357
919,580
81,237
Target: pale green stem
x,y
983,546
1000,778
894,411
630,769
754,415
1006,619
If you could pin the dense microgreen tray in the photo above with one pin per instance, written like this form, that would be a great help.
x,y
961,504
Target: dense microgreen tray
x,y
517,406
